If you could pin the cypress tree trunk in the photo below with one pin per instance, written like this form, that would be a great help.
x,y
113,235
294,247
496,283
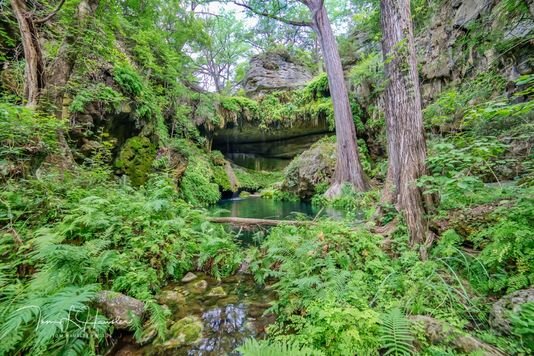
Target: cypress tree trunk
x,y
404,120
34,68
348,166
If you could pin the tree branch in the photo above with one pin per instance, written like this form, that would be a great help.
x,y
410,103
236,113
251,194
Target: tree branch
x,y
274,17
50,15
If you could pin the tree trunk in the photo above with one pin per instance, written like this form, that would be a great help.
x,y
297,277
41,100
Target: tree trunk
x,y
348,166
61,69
404,120
34,69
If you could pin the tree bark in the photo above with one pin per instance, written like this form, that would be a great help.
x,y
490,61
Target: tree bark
x,y
348,166
34,69
61,69
404,120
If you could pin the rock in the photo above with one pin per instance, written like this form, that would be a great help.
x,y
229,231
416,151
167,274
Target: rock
x,y
315,165
119,308
189,277
509,304
439,332
217,292
470,10
199,287
135,159
186,331
171,298
274,71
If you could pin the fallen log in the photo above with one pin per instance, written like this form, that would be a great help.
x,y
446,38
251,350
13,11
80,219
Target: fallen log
x,y
258,222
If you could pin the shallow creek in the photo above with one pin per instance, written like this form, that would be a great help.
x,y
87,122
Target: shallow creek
x,y
209,317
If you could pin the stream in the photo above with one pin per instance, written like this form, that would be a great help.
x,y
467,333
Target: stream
x,y
211,317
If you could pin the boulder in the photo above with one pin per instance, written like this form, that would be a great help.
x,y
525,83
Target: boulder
x,y
274,71
171,298
507,305
199,287
315,165
186,331
119,308
469,10
441,333
217,292
189,277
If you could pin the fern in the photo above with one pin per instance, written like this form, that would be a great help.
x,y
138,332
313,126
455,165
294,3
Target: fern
x,y
396,337
252,347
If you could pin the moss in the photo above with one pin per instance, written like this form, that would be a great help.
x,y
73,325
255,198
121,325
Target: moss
x,y
135,159
281,108
256,180
221,178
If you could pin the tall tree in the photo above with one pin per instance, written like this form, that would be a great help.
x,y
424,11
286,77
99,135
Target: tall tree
x,y
348,167
404,120
224,49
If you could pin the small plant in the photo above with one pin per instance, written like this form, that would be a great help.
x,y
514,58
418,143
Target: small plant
x,y
395,334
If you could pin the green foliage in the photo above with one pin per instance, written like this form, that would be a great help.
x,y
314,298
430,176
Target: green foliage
x,y
523,324
507,249
282,108
396,337
25,138
135,159
458,166
129,81
199,184
252,347
454,103
99,93
97,236
250,179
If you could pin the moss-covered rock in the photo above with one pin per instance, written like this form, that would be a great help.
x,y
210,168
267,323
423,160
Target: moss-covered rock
x,y
312,167
186,331
135,159
217,292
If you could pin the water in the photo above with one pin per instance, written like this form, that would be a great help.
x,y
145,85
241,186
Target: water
x,y
256,207
257,162
227,320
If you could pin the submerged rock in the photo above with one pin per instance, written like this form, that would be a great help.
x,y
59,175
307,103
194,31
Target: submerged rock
x,y
189,277
171,298
507,305
186,331
119,308
199,287
217,292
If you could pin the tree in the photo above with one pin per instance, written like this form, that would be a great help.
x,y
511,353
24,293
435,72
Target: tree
x,y
223,50
404,120
348,167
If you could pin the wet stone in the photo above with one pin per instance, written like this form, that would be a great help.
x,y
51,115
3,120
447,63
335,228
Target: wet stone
x,y
189,277
171,298
217,292
199,287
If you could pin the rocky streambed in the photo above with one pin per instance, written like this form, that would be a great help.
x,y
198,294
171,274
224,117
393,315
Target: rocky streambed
x,y
209,317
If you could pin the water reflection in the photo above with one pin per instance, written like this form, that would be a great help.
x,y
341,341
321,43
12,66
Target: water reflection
x,y
256,207
225,329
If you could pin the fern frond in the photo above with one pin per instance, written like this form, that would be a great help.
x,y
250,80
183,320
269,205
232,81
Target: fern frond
x,y
396,336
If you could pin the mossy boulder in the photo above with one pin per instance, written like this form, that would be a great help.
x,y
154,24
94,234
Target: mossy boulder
x,y
135,159
172,298
199,287
314,166
186,331
217,292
